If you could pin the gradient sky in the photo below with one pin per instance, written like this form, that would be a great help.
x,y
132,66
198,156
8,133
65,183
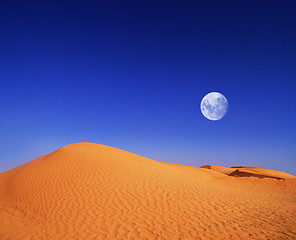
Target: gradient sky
x,y
131,74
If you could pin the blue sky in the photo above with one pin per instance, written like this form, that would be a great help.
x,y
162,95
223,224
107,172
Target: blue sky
x,y
131,74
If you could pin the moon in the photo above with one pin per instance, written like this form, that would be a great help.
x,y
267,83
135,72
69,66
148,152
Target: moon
x,y
214,106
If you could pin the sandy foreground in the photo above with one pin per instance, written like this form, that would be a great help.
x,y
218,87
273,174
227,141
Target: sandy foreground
x,y
91,191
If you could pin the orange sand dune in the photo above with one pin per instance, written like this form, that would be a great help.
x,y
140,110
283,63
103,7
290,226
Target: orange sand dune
x,y
250,172
91,191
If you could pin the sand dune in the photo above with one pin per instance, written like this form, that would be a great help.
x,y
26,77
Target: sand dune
x,y
91,191
242,171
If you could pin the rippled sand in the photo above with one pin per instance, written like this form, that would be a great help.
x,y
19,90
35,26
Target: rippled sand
x,y
91,191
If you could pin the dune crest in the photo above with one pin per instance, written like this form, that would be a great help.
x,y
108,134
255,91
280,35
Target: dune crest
x,y
92,191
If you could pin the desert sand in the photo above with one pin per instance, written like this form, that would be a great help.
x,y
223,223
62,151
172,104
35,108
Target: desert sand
x,y
91,191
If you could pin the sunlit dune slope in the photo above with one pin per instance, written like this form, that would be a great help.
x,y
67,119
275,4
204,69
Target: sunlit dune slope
x,y
91,191
242,171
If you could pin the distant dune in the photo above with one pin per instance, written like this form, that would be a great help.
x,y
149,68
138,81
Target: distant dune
x,y
251,172
90,191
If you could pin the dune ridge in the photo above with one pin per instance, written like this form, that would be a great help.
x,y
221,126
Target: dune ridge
x,y
92,191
